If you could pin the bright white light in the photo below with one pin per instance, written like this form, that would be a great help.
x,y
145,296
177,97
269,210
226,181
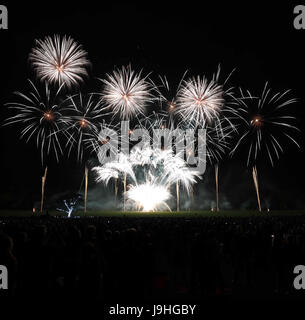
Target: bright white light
x,y
148,197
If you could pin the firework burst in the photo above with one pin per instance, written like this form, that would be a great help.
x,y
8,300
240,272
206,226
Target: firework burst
x,y
59,60
127,93
105,174
151,171
167,95
266,125
41,116
199,101
148,197
83,122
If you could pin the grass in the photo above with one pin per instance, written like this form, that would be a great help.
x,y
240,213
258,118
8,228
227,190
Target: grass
x,y
181,214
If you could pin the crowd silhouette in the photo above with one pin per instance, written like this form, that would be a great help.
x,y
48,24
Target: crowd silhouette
x,y
152,258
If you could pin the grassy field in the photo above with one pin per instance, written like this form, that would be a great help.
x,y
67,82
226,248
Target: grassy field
x,y
183,214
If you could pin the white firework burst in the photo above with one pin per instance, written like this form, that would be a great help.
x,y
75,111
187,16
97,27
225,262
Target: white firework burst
x,y
177,172
119,168
151,172
199,101
105,174
126,92
148,197
41,115
59,60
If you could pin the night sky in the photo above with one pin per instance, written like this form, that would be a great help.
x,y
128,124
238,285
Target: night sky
x,y
258,40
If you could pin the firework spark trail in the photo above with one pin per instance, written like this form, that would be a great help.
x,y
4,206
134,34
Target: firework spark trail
x,y
104,174
218,138
86,190
217,145
127,93
168,96
59,60
83,123
176,171
103,143
41,116
265,126
160,120
43,183
255,180
115,169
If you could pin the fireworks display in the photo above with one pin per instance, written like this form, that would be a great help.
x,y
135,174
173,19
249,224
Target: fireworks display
x,y
148,169
59,60
152,174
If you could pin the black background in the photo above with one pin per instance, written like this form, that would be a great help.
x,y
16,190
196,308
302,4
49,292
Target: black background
x,y
258,39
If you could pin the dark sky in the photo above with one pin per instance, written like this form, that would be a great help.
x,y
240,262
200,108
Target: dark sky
x,y
259,40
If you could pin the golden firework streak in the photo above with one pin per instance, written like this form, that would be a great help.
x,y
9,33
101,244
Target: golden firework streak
x,y
255,179
86,189
43,183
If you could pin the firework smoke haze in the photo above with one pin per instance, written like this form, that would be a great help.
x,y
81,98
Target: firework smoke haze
x,y
59,60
